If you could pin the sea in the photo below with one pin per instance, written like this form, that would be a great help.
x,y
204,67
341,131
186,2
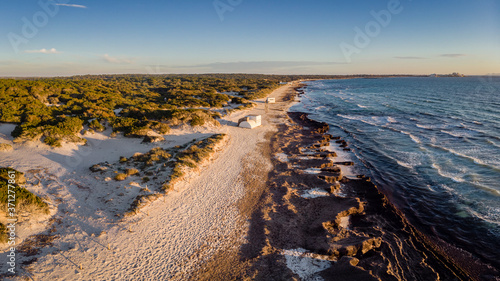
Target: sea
x,y
432,145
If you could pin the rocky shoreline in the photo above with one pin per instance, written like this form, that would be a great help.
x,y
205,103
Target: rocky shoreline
x,y
316,223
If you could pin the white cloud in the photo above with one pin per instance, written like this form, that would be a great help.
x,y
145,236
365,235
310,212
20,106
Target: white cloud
x,y
453,55
43,51
111,59
73,5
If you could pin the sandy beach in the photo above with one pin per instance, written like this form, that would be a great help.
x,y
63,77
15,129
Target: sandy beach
x,y
169,238
250,140
281,201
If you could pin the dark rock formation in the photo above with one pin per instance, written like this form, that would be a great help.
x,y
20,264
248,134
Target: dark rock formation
x,y
360,231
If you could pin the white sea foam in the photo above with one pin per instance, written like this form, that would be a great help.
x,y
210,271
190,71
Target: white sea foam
x,y
493,143
409,160
415,139
358,118
475,160
491,217
404,164
452,151
362,106
491,190
430,127
412,137
448,189
441,172
350,117
370,123
391,120
457,134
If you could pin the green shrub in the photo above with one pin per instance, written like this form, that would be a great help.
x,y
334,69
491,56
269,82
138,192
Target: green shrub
x,y
160,128
197,121
60,129
166,187
239,100
3,233
148,103
5,147
177,172
4,175
131,172
194,154
52,141
24,199
96,126
120,177
154,155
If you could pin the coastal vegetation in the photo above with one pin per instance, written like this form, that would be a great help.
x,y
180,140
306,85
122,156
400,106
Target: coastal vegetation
x,y
57,110
5,147
24,200
159,168
193,155
178,160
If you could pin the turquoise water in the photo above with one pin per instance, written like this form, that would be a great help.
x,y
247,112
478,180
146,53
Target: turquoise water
x,y
432,145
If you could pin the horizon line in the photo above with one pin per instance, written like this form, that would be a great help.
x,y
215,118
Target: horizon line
x,y
212,73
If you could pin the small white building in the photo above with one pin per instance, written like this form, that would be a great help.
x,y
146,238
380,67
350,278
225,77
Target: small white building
x,y
271,100
250,121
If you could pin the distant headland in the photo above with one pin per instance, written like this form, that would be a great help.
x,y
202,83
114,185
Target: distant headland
x,y
454,74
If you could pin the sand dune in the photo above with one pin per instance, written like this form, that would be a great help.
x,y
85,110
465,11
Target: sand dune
x,y
168,239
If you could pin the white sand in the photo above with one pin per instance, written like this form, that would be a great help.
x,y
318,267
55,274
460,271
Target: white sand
x,y
312,171
315,193
306,265
281,157
5,130
168,239
344,222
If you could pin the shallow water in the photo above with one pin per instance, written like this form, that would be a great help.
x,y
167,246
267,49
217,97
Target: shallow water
x,y
431,144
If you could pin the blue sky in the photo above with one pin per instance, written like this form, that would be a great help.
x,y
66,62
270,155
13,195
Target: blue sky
x,y
67,37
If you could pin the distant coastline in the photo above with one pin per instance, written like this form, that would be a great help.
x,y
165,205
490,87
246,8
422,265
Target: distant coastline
x,y
454,74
